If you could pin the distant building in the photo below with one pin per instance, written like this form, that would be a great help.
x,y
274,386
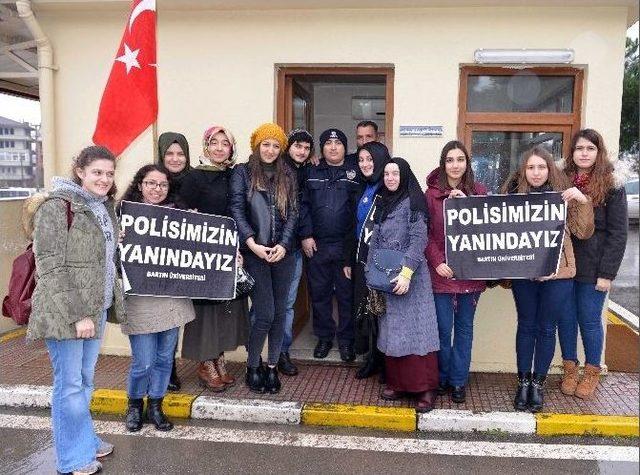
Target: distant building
x,y
20,154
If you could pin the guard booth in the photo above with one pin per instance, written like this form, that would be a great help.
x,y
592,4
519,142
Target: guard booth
x,y
498,77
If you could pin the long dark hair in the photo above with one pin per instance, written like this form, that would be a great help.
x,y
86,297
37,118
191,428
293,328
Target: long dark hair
x,y
467,182
518,183
134,193
284,184
88,155
601,176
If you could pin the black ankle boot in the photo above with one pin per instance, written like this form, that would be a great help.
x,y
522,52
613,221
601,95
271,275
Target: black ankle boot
x,y
272,382
255,379
174,381
134,415
371,366
156,416
522,393
459,394
286,366
536,393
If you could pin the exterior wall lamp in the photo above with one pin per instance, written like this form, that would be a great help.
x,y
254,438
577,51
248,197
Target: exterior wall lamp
x,y
524,56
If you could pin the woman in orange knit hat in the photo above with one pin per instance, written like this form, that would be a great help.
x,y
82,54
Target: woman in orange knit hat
x,y
263,203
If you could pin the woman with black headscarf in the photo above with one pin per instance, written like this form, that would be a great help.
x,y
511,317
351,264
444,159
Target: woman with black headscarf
x,y
372,157
173,154
408,331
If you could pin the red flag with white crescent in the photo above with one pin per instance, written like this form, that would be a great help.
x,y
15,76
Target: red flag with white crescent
x,y
130,99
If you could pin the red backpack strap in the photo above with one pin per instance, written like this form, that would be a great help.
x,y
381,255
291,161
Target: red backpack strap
x,y
69,214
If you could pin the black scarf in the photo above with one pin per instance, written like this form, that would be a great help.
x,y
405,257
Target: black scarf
x,y
380,154
408,187
164,142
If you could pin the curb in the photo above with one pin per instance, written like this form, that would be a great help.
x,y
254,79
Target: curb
x,y
448,420
574,424
13,334
112,401
351,415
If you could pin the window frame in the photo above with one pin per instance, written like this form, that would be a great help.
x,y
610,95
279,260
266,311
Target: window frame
x,y
567,123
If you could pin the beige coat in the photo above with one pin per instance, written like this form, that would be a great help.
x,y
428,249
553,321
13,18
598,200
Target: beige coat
x,y
580,224
155,314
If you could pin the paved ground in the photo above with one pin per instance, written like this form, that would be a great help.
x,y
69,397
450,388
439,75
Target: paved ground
x,y
625,290
22,363
195,447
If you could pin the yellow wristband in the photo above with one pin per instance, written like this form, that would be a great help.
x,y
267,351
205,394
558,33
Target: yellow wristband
x,y
406,272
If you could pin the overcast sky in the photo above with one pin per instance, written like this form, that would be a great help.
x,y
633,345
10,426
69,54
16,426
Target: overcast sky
x,y
28,110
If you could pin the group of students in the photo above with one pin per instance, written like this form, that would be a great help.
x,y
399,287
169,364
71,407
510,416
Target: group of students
x,y
288,204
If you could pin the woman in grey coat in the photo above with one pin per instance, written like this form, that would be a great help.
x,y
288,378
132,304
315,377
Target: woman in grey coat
x,y
153,323
408,333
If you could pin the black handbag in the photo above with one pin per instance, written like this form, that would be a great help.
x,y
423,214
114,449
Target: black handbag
x,y
244,283
385,265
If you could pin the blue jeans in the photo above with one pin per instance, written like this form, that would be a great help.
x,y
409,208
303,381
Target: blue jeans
x,y
291,301
586,312
151,362
540,306
455,314
73,363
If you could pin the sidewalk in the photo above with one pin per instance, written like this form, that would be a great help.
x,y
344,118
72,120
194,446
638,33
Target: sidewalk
x,y
322,386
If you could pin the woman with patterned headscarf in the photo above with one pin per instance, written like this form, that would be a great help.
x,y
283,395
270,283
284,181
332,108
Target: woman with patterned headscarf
x,y
219,326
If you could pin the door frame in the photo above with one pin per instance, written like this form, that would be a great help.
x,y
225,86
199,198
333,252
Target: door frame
x,y
284,88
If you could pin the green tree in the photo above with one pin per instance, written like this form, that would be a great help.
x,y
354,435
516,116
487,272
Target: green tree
x,y
629,141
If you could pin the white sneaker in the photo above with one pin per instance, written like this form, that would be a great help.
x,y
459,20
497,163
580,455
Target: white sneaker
x,y
105,449
89,469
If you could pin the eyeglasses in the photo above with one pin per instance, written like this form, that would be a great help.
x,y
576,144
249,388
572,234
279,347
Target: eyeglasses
x,y
154,184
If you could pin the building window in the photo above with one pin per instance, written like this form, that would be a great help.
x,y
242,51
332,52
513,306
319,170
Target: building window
x,y
505,111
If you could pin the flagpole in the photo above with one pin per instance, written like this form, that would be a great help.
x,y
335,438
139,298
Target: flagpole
x,y
154,133
154,126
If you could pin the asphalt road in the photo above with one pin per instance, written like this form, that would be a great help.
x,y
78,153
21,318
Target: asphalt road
x,y
625,288
249,448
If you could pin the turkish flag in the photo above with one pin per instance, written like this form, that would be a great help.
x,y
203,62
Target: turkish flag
x,y
130,99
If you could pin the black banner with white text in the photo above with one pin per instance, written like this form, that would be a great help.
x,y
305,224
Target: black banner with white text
x,y
175,253
504,236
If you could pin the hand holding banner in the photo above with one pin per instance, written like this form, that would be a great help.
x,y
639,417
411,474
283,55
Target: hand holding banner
x,y
504,236
169,252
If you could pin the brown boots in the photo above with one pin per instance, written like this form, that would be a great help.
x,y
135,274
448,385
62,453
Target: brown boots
x,y
569,378
222,371
589,383
213,374
572,386
210,377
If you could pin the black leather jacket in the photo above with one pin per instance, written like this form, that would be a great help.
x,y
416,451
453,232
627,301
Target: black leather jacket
x,y
256,213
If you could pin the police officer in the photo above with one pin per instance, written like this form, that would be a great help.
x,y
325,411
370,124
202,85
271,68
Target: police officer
x,y
327,211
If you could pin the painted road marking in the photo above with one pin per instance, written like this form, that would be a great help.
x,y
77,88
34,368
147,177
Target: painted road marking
x,y
333,441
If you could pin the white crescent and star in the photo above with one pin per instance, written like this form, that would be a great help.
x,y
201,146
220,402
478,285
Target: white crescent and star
x,y
144,5
129,58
